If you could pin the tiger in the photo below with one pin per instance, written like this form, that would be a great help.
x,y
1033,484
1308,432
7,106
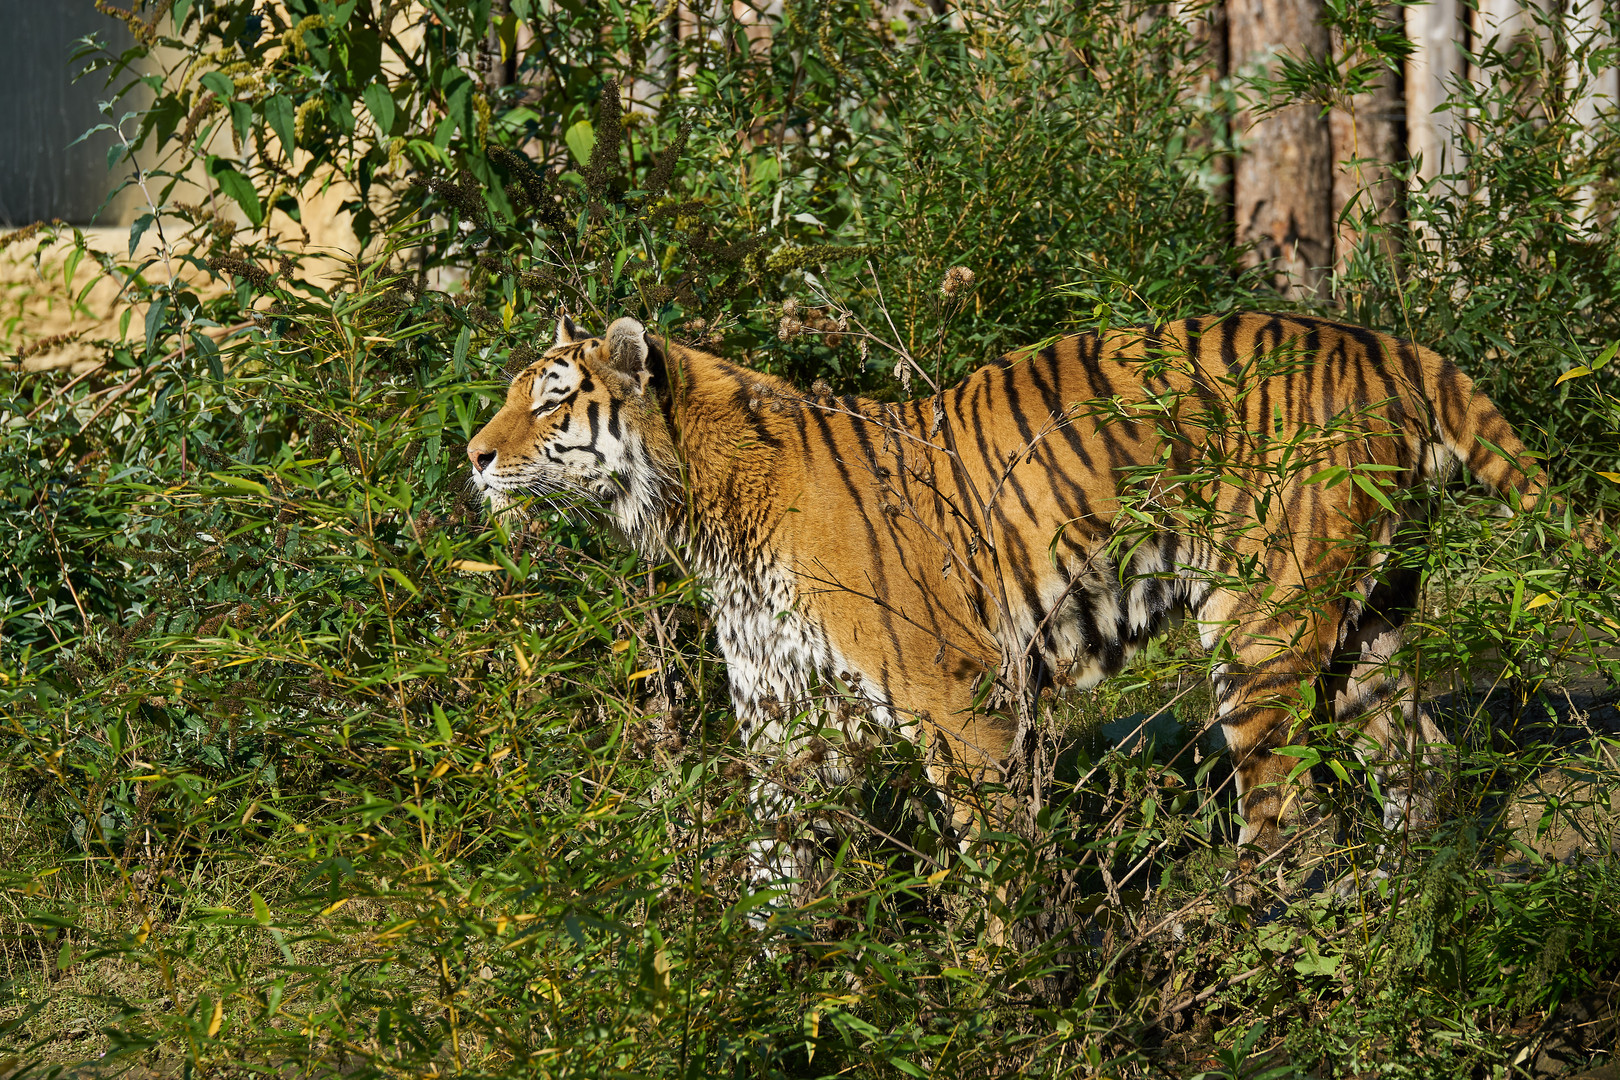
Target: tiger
x,y
1031,529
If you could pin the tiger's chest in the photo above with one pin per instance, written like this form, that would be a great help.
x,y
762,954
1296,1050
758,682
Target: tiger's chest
x,y
788,674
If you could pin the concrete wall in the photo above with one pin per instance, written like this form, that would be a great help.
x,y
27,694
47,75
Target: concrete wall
x,y
43,110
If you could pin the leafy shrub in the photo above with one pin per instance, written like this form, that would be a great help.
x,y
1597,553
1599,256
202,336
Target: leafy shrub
x,y
309,762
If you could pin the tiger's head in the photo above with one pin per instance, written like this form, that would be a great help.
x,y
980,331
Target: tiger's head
x,y
586,425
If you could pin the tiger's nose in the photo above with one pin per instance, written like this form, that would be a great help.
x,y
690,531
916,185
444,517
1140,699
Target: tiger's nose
x,y
481,460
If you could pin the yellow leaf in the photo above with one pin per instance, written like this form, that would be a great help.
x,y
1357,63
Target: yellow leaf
x,y
938,876
440,769
1573,373
508,34
219,1017
620,646
473,567
1541,601
642,674
1613,477
334,905
278,623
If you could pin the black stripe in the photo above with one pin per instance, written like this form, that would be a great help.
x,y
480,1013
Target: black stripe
x,y
1055,408
1229,332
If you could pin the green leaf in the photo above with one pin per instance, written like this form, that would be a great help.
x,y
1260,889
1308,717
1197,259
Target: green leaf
x,y
380,101
70,264
749,901
237,187
209,352
1314,964
261,910
463,340
1277,938
1365,484
458,100
154,321
580,138
241,483
406,582
220,84
279,114
241,120
138,230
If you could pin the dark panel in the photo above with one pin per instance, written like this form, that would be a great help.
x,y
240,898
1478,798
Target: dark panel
x,y
42,110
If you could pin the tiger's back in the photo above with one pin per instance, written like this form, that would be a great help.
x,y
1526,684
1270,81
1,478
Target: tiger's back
x,y
1063,504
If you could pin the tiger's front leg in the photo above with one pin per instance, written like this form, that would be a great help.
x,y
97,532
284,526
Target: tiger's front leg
x,y
780,858
788,758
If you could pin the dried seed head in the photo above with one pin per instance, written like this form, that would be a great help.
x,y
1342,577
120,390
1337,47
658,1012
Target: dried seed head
x,y
537,280
789,328
207,102
256,275
790,306
46,344
25,233
957,279
833,331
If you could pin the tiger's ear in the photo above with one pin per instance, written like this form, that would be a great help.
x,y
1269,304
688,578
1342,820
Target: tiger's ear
x,y
567,332
627,350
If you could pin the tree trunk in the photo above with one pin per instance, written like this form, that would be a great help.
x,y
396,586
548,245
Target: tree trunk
x,y
1368,136
1438,36
1282,182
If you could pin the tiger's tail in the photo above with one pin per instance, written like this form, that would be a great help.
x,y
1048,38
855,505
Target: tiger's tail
x,y
1474,433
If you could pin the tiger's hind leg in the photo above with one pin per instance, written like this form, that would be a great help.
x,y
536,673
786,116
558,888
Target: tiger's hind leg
x,y
1373,693
1258,702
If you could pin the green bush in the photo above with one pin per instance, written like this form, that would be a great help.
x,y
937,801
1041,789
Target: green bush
x,y
309,763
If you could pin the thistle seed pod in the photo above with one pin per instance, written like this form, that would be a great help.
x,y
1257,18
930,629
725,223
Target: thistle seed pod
x,y
957,279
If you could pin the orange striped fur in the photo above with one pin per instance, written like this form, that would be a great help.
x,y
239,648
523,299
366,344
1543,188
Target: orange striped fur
x,y
1038,523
